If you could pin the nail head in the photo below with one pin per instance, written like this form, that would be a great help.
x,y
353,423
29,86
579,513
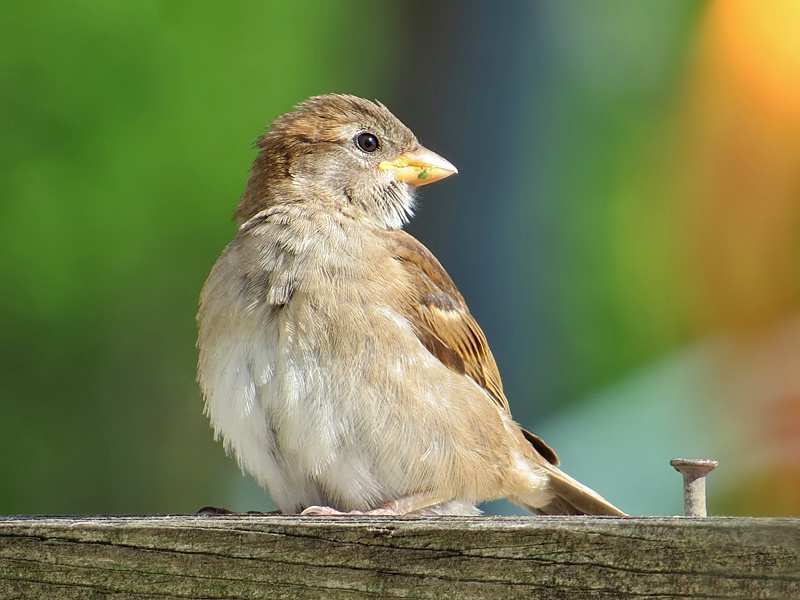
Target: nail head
x,y
695,466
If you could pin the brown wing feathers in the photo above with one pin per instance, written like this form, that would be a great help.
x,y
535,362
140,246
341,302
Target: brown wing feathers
x,y
443,322
446,328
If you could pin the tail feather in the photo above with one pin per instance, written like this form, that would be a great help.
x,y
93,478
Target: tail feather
x,y
571,497
567,495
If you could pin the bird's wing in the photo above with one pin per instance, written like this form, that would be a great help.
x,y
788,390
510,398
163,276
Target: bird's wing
x,y
444,325
441,319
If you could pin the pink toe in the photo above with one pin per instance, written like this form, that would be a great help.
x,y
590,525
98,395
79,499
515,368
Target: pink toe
x,y
321,511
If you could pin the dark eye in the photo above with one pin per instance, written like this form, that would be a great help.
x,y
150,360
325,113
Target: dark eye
x,y
367,142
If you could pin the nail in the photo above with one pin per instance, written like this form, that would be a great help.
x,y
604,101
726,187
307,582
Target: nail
x,y
694,471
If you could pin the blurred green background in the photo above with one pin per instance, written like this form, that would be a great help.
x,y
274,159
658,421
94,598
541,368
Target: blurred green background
x,y
623,226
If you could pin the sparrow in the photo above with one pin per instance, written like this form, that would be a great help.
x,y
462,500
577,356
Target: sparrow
x,y
339,363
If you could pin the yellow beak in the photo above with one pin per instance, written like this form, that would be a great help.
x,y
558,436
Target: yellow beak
x,y
419,167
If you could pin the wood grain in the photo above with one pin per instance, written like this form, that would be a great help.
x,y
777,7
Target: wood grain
x,y
415,557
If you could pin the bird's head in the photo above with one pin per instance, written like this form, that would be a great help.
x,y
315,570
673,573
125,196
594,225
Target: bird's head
x,y
345,151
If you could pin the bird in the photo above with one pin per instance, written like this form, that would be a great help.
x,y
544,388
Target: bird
x,y
338,361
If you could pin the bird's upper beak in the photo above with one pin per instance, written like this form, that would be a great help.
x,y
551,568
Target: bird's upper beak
x,y
419,167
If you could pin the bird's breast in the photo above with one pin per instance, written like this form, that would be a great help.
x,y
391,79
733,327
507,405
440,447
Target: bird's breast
x,y
289,332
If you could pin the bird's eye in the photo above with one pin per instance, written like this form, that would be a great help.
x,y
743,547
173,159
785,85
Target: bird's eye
x,y
367,142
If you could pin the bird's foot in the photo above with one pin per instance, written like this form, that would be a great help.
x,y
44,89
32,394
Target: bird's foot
x,y
216,511
416,504
324,511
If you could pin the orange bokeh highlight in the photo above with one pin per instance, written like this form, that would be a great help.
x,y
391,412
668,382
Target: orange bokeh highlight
x,y
741,165
759,45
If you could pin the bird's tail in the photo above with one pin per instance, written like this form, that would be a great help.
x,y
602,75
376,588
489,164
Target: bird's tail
x,y
570,497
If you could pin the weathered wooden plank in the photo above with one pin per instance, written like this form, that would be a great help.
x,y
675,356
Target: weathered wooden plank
x,y
416,557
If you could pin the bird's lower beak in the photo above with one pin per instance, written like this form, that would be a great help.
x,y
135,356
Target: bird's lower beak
x,y
419,167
